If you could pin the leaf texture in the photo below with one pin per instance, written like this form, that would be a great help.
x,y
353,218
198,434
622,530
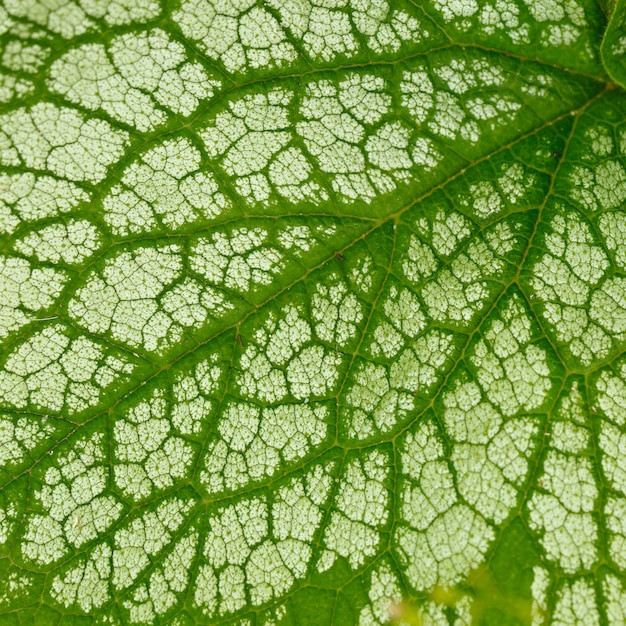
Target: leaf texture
x,y
312,312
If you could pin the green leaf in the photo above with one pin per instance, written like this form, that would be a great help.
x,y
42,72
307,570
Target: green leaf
x,y
312,312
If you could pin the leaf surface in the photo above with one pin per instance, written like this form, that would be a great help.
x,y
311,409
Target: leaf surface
x,y
312,312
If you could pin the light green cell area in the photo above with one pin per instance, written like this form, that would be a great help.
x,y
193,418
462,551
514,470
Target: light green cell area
x,y
403,313
418,261
85,585
421,365
254,258
25,290
143,299
60,140
239,260
76,17
378,398
253,141
539,588
455,290
259,547
21,437
338,120
475,484
28,197
150,453
251,445
576,603
612,444
610,402
365,264
615,510
383,26
550,30
503,185
145,537
140,79
612,226
12,89
444,230
245,36
241,36
514,371
163,589
562,509
360,511
53,370
441,109
614,43
194,387
165,189
491,455
74,503
285,360
22,56
384,593
600,187
336,311
69,243
372,405
610,390
569,280
429,513
615,594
